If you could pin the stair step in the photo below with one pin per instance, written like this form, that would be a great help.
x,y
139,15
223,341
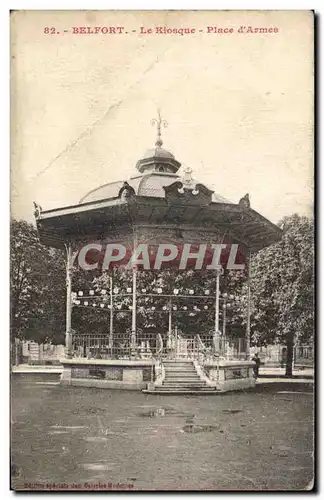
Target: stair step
x,y
185,367
178,363
184,385
180,380
180,371
204,393
185,390
177,360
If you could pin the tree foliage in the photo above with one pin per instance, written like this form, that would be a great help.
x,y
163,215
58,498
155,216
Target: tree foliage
x,y
283,288
37,287
283,285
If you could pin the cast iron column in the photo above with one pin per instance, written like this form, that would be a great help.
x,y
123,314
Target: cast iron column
x,y
224,324
216,329
133,335
68,331
170,322
111,318
248,309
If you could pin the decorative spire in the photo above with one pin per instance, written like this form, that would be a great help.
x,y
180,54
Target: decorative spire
x,y
188,180
159,122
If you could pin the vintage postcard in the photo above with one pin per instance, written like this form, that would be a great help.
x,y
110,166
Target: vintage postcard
x,y
162,251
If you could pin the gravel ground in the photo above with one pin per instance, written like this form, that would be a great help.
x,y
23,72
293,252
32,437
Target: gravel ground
x,y
73,437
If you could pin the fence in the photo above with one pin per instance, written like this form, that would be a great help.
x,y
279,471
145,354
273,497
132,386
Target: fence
x,y
147,345
276,355
304,355
153,345
28,351
122,346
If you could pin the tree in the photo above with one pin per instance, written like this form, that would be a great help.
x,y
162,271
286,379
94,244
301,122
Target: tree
x,y
283,288
37,287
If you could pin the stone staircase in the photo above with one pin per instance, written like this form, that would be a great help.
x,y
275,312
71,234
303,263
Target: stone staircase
x,y
181,377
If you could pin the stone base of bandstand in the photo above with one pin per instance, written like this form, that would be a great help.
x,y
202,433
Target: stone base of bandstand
x,y
107,374
230,375
222,375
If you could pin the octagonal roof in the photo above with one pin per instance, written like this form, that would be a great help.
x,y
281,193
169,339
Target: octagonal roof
x,y
157,152
149,184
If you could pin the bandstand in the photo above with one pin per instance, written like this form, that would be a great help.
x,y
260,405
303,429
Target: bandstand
x,y
158,219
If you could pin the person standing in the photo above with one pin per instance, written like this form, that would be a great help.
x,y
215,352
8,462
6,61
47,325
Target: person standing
x,y
256,367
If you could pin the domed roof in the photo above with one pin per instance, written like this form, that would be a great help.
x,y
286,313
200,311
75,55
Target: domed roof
x,y
158,159
150,184
157,152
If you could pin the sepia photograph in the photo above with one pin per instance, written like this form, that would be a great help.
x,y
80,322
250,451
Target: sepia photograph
x,y
162,250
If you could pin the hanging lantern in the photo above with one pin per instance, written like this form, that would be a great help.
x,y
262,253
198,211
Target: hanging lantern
x,y
86,303
185,308
153,308
102,305
232,297
159,290
207,292
129,290
109,306
103,292
80,294
164,308
94,305
119,306
91,292
130,307
175,291
191,314
225,295
205,307
143,290
191,292
175,308
116,290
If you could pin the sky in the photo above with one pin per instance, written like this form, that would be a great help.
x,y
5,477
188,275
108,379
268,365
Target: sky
x,y
239,106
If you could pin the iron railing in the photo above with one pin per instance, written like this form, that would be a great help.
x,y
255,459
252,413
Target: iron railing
x,y
151,345
123,345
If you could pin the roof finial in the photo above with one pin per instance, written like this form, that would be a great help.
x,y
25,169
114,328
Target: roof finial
x,y
159,122
189,182
188,177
